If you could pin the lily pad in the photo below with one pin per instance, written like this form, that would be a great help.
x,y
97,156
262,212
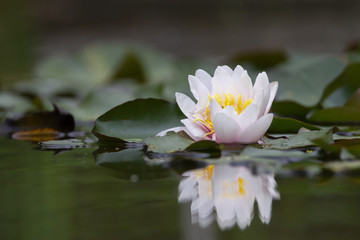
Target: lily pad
x,y
289,125
260,59
302,139
169,143
336,115
138,119
303,79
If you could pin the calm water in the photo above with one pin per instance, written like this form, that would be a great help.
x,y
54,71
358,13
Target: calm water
x,y
71,196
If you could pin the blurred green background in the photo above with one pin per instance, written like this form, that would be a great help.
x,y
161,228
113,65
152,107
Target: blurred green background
x,y
32,29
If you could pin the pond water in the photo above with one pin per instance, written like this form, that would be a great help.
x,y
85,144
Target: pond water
x,y
72,195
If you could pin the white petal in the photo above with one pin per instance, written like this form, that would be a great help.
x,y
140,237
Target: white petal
x,y
186,105
226,129
224,77
261,99
244,86
225,212
261,82
230,112
198,89
256,130
204,77
274,88
216,86
175,129
194,130
214,108
248,116
238,71
228,69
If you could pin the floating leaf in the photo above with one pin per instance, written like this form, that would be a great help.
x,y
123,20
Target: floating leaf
x,y
205,146
94,104
288,125
348,78
169,143
303,79
13,102
336,115
260,59
130,68
138,119
282,157
290,109
354,100
302,139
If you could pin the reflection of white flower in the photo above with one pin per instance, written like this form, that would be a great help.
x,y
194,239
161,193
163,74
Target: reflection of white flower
x,y
229,108
231,191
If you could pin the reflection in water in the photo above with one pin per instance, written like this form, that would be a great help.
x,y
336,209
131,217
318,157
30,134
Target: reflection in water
x,y
229,190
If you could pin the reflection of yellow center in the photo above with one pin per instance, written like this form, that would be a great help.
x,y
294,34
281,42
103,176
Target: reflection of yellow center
x,y
207,173
224,100
233,189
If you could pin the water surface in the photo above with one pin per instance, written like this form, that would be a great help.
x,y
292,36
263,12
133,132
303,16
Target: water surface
x,y
71,196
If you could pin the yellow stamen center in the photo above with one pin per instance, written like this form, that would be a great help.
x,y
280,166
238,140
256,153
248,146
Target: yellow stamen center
x,y
224,100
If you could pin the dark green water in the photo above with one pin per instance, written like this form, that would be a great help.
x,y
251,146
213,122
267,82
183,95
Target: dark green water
x,y
69,196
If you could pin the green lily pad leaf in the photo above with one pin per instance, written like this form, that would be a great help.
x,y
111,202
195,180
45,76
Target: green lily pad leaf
x,y
354,101
349,136
344,149
130,68
204,145
250,153
336,115
289,125
260,59
303,79
290,109
171,142
94,104
16,103
348,79
302,139
138,119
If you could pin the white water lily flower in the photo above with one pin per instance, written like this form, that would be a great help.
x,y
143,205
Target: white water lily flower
x,y
230,192
229,108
